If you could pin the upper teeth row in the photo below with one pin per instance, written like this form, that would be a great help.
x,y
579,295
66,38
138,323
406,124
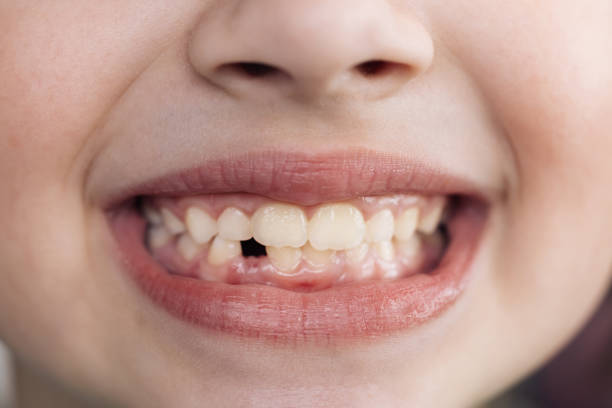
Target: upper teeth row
x,y
336,226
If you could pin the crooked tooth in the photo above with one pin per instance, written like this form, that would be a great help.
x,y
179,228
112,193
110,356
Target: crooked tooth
x,y
356,255
336,226
315,257
385,250
152,214
406,224
284,259
221,251
158,236
187,247
280,225
173,224
201,226
429,221
234,225
380,226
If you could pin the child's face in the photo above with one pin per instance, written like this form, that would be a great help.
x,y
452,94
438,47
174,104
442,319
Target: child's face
x,y
503,103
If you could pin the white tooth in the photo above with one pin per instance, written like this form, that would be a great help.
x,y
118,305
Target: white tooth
x,y
152,214
187,247
406,223
411,247
317,258
380,226
234,225
221,251
280,225
429,221
201,226
336,226
385,250
158,236
356,255
284,259
173,224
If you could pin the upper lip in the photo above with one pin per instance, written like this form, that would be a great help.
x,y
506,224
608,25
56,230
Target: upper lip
x,y
308,178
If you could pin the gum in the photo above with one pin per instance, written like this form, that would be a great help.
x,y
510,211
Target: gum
x,y
215,204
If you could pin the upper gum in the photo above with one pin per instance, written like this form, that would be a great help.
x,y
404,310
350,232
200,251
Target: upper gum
x,y
214,205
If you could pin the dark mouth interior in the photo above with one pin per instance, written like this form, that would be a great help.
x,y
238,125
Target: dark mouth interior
x,y
252,248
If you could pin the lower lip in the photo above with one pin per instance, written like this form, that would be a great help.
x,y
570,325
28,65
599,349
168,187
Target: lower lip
x,y
356,311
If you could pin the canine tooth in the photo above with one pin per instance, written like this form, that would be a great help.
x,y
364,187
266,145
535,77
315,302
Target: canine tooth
x,y
280,225
429,221
173,224
410,247
357,255
234,225
336,226
315,257
380,226
221,251
406,224
187,247
385,250
158,236
201,226
152,214
284,259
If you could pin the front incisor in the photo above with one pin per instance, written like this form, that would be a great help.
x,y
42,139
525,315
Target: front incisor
x,y
280,225
336,227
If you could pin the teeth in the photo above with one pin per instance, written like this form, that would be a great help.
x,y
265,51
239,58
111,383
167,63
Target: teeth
x,y
411,247
406,224
173,224
158,236
284,259
356,255
380,227
187,247
280,225
152,215
336,226
385,250
201,226
221,251
429,222
317,258
234,225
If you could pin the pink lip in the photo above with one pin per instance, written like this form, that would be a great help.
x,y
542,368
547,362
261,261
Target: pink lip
x,y
357,311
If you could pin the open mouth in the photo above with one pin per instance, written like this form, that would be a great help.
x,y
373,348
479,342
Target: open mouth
x,y
287,264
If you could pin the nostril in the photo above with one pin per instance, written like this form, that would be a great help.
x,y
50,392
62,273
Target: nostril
x,y
250,69
377,68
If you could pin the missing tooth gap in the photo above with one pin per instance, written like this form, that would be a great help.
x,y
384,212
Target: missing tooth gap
x,y
252,248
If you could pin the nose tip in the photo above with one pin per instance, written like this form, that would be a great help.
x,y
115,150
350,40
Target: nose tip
x,y
310,48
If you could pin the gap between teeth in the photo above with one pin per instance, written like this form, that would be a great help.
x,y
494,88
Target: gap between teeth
x,y
289,236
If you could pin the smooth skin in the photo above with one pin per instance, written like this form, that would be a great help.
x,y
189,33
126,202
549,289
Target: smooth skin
x,y
515,96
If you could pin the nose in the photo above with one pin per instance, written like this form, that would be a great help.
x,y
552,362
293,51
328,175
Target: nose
x,y
309,49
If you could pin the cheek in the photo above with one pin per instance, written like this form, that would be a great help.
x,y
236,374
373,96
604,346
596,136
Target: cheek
x,y
63,65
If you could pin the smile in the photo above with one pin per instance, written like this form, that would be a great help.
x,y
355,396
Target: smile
x,y
293,247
